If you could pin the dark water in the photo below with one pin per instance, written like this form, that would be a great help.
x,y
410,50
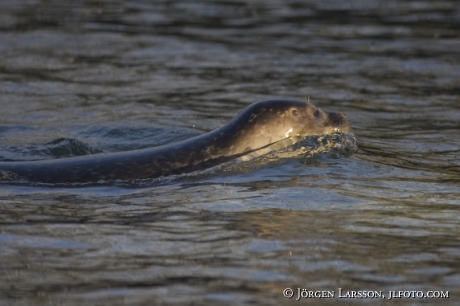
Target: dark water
x,y
83,77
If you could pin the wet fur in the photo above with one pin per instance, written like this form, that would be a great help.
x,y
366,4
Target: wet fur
x,y
259,125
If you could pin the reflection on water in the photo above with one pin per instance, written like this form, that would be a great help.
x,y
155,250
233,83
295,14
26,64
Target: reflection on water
x,y
91,76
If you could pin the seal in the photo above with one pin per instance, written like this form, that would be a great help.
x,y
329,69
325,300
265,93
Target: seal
x,y
260,125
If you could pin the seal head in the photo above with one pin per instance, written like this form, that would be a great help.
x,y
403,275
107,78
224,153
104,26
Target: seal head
x,y
267,122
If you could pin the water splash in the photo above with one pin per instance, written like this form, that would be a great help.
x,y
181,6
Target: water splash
x,y
334,146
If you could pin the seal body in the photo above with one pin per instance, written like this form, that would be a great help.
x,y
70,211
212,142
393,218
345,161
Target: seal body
x,y
259,125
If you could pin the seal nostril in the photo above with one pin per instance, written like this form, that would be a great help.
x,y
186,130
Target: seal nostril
x,y
338,118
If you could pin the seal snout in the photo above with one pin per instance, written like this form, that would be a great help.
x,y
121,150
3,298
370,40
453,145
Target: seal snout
x,y
338,120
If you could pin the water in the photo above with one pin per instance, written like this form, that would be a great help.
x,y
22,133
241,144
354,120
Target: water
x,y
111,76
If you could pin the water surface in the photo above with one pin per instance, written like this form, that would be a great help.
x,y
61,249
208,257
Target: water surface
x,y
110,76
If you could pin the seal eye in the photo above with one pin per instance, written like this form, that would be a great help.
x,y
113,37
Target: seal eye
x,y
316,113
295,112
